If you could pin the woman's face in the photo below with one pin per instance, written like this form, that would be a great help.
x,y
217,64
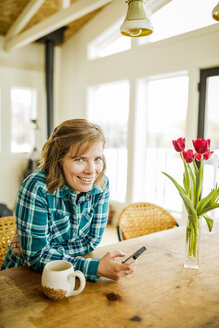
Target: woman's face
x,y
80,173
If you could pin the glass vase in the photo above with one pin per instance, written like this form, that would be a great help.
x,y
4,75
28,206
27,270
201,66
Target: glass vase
x,y
193,234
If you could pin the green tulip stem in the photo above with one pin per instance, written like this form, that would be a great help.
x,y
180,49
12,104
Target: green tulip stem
x,y
192,234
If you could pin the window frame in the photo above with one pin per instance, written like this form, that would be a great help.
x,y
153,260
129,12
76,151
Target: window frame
x,y
202,88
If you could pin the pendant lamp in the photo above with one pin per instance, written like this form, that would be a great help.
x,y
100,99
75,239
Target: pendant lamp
x,y
215,12
136,22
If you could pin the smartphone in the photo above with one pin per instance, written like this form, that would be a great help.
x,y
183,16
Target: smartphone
x,y
135,255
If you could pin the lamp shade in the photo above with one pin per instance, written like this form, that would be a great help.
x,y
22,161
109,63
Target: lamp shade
x,y
215,12
136,22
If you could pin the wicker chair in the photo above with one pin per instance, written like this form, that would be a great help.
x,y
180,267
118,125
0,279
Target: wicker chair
x,y
140,219
7,230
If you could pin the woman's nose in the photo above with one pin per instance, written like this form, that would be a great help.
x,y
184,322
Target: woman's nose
x,y
90,167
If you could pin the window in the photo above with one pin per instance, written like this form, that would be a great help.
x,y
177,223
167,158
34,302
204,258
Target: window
x,y
166,116
108,105
23,110
178,17
108,43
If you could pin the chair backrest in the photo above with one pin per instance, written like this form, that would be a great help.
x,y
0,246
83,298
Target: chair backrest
x,y
7,230
139,219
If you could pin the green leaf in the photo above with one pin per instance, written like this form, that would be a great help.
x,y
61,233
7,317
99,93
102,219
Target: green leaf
x,y
215,195
209,222
210,200
205,210
180,189
205,202
188,204
185,183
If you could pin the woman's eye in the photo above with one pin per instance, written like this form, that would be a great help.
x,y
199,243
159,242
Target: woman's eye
x,y
98,159
79,160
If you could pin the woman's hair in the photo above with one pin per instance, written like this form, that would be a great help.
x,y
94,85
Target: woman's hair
x,y
78,135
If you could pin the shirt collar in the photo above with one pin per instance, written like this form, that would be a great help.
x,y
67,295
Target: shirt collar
x,y
64,191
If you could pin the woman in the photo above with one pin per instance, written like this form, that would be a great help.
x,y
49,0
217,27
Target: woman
x,y
62,208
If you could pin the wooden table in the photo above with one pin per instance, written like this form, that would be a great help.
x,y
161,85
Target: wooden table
x,y
161,293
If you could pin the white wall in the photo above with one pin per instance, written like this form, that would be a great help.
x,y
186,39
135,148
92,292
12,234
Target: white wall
x,y
23,67
189,52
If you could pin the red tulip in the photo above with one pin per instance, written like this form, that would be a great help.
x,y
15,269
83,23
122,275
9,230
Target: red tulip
x,y
201,145
207,154
188,155
179,144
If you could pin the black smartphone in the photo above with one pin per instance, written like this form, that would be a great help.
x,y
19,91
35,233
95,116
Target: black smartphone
x,y
135,255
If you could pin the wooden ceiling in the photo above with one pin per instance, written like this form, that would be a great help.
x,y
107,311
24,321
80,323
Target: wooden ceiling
x,y
25,21
11,9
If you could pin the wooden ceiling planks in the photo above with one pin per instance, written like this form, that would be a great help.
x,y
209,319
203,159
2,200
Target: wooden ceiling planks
x,y
11,9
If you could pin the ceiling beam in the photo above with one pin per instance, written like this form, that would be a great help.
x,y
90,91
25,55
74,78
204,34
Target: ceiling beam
x,y
54,22
65,3
25,16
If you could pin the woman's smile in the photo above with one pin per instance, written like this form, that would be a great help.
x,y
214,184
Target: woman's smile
x,y
87,180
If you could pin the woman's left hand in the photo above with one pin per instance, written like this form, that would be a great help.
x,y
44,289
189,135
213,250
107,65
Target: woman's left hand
x,y
16,248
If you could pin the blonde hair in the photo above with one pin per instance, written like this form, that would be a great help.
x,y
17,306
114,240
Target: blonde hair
x,y
71,133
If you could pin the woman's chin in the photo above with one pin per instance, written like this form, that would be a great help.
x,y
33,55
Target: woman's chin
x,y
82,187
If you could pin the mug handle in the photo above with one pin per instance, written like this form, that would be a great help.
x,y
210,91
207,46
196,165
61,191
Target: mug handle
x,y
81,277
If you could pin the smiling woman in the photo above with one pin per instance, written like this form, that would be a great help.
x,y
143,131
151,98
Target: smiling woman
x,y
62,208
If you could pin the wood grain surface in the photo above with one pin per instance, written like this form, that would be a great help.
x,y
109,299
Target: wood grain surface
x,y
161,293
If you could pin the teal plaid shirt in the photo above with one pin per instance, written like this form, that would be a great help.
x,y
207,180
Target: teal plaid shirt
x,y
58,226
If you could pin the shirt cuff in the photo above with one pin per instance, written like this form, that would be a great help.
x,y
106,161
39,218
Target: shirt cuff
x,y
90,269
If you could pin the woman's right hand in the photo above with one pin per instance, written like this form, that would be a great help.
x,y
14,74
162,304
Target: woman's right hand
x,y
111,269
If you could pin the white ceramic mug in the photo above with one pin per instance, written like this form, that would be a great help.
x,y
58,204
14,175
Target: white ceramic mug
x,y
58,280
